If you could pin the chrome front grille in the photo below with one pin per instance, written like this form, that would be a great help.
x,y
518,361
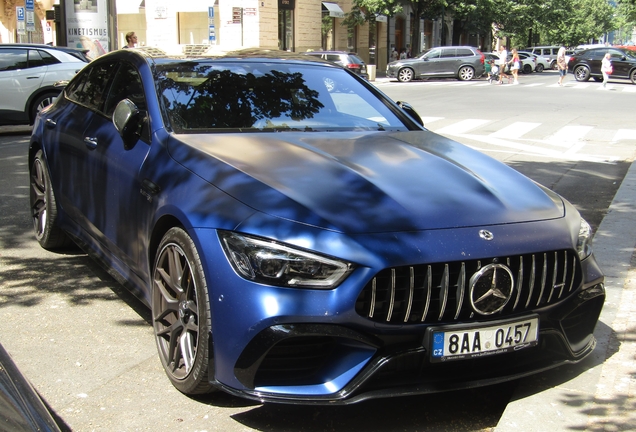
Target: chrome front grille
x,y
440,292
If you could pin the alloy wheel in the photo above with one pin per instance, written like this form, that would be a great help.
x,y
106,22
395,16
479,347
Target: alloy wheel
x,y
39,202
175,311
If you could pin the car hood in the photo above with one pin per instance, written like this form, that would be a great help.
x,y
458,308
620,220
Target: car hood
x,y
363,182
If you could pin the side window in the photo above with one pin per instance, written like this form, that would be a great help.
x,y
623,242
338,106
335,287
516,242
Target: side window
x,y
616,55
48,58
89,88
448,52
127,84
433,54
35,59
597,54
464,52
13,59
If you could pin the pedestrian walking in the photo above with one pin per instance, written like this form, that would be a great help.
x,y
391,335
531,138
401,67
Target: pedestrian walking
x,y
131,40
561,65
503,62
606,68
516,65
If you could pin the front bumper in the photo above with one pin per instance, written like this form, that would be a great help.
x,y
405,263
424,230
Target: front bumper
x,y
312,347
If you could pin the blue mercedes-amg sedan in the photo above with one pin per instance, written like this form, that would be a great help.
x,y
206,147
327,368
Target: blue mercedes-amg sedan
x,y
302,238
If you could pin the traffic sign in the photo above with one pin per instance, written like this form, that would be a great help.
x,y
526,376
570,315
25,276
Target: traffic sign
x,y
20,15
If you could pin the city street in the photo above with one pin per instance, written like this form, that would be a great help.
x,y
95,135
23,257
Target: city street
x,y
87,345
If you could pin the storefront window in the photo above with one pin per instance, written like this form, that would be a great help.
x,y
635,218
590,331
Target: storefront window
x,y
286,24
286,30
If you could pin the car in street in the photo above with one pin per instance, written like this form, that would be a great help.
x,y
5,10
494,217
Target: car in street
x,y
28,73
587,64
301,238
548,52
347,60
540,63
462,62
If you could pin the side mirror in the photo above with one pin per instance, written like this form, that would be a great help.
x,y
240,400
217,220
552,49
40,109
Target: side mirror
x,y
128,121
408,109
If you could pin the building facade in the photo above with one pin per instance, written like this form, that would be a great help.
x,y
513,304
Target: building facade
x,y
291,25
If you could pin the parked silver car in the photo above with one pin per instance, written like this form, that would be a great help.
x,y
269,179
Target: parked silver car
x,y
28,73
461,62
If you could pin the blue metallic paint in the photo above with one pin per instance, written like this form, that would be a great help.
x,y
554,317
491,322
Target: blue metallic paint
x,y
370,198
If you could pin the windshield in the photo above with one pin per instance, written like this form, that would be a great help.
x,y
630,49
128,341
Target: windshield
x,y
213,96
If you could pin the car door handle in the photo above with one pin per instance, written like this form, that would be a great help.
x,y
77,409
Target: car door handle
x,y
50,123
33,77
91,143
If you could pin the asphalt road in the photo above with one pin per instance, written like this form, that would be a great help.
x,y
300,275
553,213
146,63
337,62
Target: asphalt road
x,y
87,345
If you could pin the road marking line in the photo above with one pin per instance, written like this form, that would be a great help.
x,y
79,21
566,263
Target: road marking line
x,y
431,119
462,126
568,136
624,134
515,130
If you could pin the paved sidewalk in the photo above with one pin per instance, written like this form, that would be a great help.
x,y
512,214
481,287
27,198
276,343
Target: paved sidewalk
x,y
599,394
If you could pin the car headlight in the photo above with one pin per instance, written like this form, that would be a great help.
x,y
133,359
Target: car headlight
x,y
271,263
584,243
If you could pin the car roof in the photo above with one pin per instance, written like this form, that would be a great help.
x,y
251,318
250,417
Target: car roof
x,y
159,57
76,52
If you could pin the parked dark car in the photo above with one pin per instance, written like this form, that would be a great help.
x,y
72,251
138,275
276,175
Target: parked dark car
x,y
301,238
587,64
347,60
28,74
461,62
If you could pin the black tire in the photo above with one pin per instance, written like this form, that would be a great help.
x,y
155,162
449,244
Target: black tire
x,y
527,69
44,207
181,313
466,73
554,65
632,76
405,75
581,73
539,68
41,102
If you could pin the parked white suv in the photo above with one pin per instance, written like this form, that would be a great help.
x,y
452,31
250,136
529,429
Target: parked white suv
x,y
28,73
548,52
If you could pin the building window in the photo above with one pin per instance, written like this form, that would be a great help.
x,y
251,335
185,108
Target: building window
x,y
286,25
286,30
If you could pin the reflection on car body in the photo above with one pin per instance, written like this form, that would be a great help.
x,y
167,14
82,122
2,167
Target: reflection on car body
x,y
301,238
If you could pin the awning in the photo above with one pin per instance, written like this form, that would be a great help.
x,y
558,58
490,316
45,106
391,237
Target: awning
x,y
334,10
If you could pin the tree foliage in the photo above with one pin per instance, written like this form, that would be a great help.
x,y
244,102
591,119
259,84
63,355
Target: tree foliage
x,y
562,22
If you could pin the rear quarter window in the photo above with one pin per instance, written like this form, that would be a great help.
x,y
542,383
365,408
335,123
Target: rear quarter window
x,y
464,52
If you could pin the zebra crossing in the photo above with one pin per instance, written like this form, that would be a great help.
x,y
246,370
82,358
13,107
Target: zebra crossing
x,y
570,142
618,87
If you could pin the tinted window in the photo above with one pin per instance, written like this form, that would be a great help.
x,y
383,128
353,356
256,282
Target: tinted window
x,y
448,52
464,52
596,54
13,59
35,59
48,58
206,97
432,53
126,84
355,59
89,87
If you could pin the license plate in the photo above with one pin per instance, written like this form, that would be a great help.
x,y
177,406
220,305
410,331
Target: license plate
x,y
465,342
